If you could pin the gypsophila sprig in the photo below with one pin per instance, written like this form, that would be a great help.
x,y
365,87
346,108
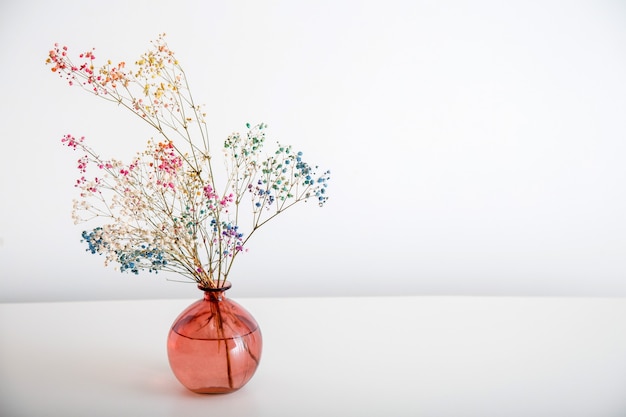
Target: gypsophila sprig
x,y
163,210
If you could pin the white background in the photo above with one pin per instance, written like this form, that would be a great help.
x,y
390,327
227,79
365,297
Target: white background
x,y
476,147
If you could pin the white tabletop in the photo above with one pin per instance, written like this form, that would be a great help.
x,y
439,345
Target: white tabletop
x,y
402,356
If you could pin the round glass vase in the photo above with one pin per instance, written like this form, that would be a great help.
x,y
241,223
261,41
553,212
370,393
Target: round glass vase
x,y
214,346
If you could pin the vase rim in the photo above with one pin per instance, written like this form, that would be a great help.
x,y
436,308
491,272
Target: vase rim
x,y
225,286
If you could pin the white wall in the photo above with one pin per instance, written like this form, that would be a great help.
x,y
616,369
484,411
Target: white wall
x,y
476,147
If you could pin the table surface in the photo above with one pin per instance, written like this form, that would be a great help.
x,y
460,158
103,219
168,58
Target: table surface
x,y
386,356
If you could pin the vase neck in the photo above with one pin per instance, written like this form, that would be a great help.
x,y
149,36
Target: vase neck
x,y
215,294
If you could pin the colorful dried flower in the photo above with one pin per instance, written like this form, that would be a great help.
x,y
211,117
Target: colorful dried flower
x,y
164,211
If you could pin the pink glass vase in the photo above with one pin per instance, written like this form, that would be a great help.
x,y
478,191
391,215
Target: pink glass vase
x,y
214,346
